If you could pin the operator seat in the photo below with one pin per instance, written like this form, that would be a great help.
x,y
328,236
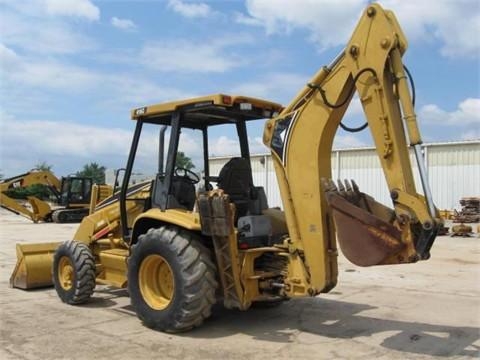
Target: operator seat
x,y
235,179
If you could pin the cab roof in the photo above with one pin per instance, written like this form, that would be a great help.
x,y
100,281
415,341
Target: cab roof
x,y
208,110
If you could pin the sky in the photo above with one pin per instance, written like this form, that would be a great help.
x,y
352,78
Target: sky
x,y
71,70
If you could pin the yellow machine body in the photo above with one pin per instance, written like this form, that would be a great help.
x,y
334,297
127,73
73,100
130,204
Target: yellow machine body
x,y
317,213
41,210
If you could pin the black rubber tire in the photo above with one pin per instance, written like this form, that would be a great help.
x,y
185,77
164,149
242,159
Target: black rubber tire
x,y
193,277
83,277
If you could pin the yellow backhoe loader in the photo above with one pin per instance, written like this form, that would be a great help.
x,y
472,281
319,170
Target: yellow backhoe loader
x,y
180,251
72,194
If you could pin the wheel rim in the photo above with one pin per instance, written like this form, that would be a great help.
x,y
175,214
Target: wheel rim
x,y
156,282
65,273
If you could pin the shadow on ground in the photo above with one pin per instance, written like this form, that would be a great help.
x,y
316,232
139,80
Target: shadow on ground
x,y
340,320
327,318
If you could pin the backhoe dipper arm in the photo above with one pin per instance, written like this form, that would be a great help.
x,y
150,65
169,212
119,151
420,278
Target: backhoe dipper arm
x,y
301,140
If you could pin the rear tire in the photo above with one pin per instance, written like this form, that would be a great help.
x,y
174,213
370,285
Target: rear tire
x,y
171,279
74,272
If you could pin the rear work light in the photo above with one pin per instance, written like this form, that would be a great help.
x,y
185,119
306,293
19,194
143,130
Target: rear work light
x,y
226,100
246,106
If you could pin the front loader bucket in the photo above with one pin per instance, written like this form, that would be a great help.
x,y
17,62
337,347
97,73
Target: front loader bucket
x,y
364,227
34,265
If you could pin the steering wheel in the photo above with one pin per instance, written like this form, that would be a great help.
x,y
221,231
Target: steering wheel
x,y
190,175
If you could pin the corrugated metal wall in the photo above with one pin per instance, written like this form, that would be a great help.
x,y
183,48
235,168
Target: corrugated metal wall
x,y
453,170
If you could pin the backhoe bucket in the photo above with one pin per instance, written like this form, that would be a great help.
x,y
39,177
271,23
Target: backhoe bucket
x,y
364,227
41,209
34,265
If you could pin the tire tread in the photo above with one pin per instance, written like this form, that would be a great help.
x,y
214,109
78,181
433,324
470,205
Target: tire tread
x,y
198,276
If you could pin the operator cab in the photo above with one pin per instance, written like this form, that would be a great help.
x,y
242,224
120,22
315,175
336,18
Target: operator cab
x,y
76,191
176,187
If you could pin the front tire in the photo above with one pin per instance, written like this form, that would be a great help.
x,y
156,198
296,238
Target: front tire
x,y
171,279
74,272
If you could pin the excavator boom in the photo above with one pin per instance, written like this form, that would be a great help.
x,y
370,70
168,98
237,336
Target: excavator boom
x,y
40,209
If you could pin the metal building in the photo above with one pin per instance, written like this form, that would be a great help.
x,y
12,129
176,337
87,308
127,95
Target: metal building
x,y
453,171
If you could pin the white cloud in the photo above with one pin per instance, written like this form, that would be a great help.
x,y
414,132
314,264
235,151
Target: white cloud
x,y
227,146
347,141
124,24
66,138
21,71
75,8
223,145
41,35
473,134
257,146
190,56
467,113
67,145
136,91
331,22
39,82
189,10
70,145
280,87
241,18
454,23
355,108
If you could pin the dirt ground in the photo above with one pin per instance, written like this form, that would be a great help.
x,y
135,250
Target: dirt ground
x,y
430,309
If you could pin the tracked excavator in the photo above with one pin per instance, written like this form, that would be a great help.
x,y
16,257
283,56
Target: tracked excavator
x,y
72,194
179,251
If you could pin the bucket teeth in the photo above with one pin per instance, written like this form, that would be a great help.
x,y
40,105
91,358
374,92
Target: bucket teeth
x,y
329,185
355,187
347,188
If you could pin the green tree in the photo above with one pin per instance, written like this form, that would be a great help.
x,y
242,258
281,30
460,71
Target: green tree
x,y
184,161
43,166
95,171
38,190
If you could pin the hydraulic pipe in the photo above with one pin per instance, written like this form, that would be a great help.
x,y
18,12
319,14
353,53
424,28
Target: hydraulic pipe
x,y
317,79
424,178
411,124
405,98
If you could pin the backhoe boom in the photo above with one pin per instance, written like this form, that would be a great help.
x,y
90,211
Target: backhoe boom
x,y
301,139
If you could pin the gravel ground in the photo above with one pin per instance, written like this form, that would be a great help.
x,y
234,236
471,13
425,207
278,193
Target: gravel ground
x,y
425,310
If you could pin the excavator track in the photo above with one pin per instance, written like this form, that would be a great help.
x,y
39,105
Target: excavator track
x,y
63,216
